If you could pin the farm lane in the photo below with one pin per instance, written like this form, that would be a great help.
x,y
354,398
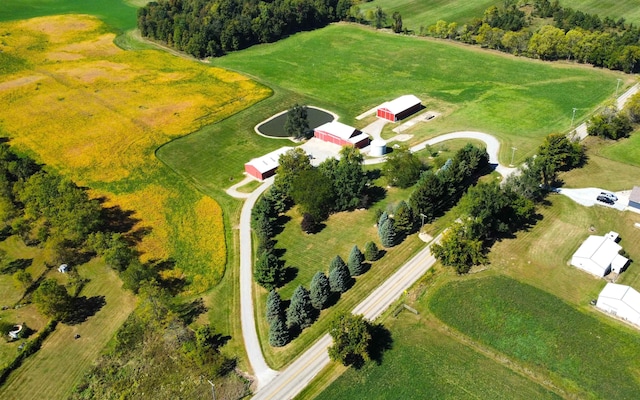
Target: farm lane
x,y
287,383
261,370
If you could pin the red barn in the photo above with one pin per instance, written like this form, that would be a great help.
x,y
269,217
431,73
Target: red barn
x,y
399,108
341,134
265,166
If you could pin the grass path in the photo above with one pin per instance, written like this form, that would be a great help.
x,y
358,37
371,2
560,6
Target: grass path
x,y
61,362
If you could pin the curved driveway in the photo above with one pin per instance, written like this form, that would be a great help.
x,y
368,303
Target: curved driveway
x,y
289,382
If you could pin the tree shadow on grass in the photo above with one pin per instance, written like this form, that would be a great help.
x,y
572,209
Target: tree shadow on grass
x,y
14,266
290,274
189,311
381,341
83,308
280,223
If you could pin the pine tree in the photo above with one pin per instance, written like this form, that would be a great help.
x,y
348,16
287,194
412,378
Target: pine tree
x,y
355,261
383,218
320,290
300,313
403,218
339,279
388,233
371,251
268,271
274,306
336,262
278,332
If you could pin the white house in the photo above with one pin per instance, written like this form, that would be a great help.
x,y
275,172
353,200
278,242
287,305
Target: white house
x,y
599,255
621,301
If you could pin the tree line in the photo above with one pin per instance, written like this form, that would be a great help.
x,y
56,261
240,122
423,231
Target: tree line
x,y
565,34
491,211
205,28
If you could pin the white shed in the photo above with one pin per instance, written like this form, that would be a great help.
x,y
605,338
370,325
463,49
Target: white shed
x,y
621,301
599,255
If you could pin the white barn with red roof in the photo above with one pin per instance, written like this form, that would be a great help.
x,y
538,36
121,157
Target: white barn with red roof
x,y
621,301
341,134
399,108
265,166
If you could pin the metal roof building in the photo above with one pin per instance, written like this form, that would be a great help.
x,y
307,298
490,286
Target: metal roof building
x,y
399,108
598,255
621,301
265,166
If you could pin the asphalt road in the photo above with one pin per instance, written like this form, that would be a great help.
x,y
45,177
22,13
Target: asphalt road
x,y
293,379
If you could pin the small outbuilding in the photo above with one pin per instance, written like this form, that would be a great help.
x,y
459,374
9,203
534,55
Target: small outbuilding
x,y
634,198
341,134
599,255
63,268
265,166
621,301
399,108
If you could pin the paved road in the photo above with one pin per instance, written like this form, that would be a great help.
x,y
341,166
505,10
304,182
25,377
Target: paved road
x,y
493,148
581,131
301,372
261,370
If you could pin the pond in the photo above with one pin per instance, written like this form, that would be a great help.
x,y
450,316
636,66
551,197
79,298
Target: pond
x,y
275,126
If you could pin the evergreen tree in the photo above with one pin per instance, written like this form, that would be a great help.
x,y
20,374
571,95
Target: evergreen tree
x,y
371,251
355,261
300,311
268,271
388,233
320,290
339,279
403,218
383,218
336,262
274,306
278,332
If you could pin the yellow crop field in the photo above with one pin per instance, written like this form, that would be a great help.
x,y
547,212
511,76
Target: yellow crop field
x,y
97,113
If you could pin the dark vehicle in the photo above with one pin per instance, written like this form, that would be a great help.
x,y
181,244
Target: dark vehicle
x,y
605,199
609,195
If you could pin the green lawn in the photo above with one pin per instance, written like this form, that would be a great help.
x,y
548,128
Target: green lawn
x,y
116,13
625,151
427,363
589,356
519,100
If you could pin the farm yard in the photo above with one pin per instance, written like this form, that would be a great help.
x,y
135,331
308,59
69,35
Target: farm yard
x,y
161,137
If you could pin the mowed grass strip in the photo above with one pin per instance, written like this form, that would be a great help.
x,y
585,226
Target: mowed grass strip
x,y
517,99
53,371
588,356
425,363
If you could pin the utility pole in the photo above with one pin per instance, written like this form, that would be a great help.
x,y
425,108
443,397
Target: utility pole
x,y
573,116
213,391
423,217
618,86
513,153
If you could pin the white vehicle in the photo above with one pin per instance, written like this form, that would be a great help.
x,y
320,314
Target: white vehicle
x,y
609,195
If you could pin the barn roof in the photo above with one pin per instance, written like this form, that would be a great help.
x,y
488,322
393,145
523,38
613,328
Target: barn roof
x,y
401,104
635,194
268,161
338,129
626,294
600,250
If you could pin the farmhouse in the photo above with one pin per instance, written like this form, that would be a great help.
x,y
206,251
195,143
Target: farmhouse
x,y
341,134
599,255
265,166
399,108
621,301
634,198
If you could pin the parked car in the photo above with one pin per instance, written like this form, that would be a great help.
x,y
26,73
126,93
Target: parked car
x,y
605,199
609,195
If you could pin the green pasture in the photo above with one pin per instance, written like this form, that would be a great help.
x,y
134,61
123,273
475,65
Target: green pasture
x,y
517,99
423,13
588,356
625,151
627,9
425,362
116,13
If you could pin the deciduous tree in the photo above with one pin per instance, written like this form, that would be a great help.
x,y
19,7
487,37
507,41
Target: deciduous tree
x,y
52,300
351,336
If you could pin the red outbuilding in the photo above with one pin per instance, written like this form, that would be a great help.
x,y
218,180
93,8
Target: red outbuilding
x,y
399,108
265,166
341,134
